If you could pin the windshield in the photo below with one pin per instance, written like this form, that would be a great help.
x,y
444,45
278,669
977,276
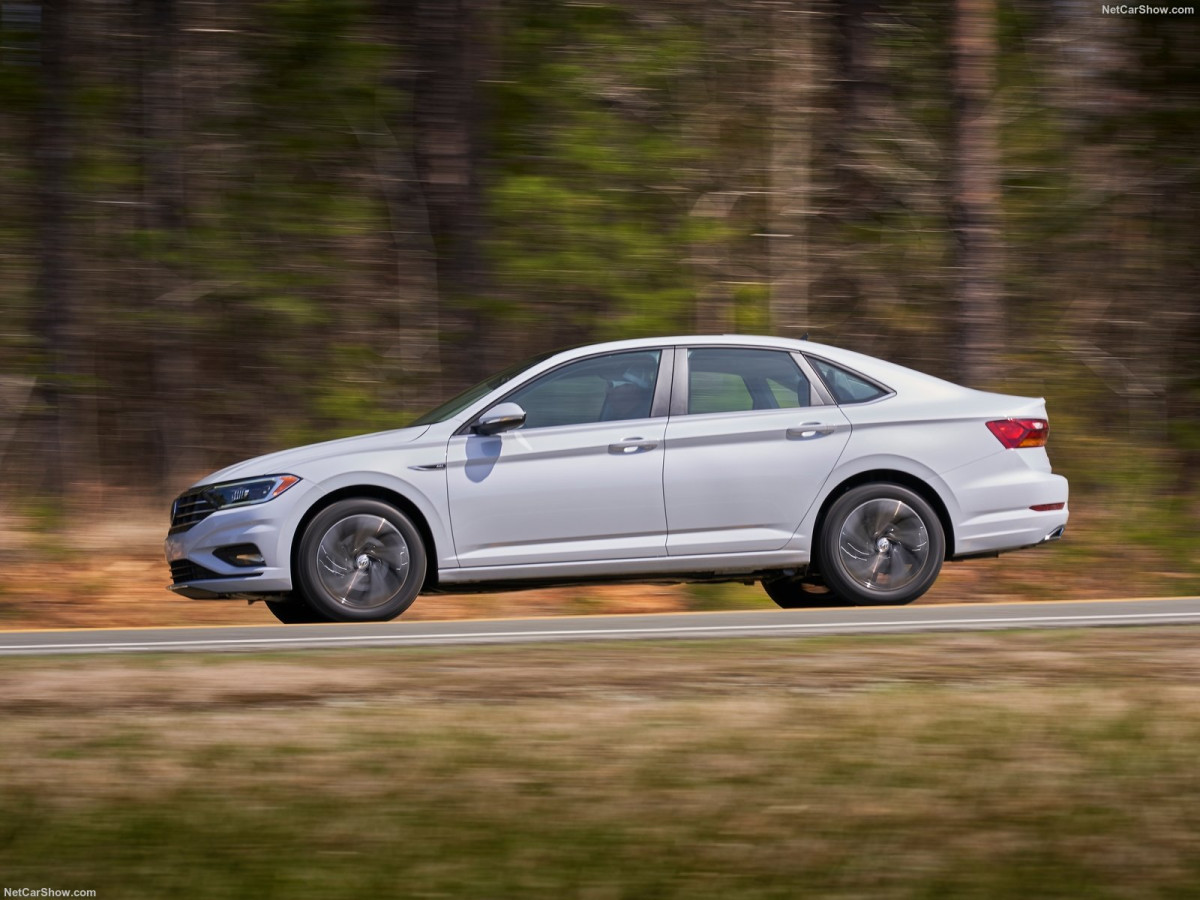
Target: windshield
x,y
457,404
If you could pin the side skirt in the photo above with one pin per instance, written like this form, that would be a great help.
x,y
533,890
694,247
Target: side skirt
x,y
651,570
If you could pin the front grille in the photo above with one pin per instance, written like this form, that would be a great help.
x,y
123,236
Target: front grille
x,y
184,570
189,509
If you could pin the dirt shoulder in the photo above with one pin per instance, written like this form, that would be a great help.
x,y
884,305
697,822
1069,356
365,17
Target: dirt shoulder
x,y
109,571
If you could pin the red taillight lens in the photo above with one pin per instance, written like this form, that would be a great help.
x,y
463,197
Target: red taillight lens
x,y
1017,433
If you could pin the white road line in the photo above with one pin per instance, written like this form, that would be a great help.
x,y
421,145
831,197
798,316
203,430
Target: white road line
x,y
449,637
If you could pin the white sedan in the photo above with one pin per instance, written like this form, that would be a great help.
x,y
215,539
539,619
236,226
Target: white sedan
x,y
830,476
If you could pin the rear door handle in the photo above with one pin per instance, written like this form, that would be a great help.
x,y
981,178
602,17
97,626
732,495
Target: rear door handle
x,y
631,445
806,431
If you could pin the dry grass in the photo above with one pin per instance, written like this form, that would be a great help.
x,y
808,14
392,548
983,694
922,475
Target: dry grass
x,y
987,765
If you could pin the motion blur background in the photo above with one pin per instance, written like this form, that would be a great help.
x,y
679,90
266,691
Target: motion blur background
x,y
230,227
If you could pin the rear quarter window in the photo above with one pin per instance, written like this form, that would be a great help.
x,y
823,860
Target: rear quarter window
x,y
847,386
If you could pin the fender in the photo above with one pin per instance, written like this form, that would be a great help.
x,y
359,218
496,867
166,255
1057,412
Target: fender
x,y
803,537
426,490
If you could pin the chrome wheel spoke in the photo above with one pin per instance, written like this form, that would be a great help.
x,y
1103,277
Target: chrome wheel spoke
x,y
898,568
859,550
857,534
368,528
383,578
878,575
909,533
905,559
879,516
393,553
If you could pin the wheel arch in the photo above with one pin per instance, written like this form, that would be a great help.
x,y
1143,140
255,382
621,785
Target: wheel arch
x,y
372,492
888,476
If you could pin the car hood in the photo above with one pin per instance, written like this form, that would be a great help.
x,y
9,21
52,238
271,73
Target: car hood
x,y
297,459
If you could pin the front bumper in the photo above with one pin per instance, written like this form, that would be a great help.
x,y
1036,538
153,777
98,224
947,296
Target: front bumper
x,y
198,572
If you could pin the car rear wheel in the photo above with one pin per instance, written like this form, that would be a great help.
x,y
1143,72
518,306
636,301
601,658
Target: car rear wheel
x,y
360,560
294,611
881,544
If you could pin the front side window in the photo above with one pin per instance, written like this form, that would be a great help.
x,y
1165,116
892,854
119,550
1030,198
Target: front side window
x,y
598,389
736,379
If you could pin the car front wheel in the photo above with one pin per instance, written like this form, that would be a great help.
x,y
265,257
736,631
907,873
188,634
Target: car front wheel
x,y
881,544
360,560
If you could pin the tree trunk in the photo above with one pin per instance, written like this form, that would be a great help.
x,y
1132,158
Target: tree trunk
x,y
416,348
165,219
793,111
52,293
976,194
449,57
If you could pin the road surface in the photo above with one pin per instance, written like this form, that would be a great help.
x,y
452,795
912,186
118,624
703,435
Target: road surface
x,y
757,623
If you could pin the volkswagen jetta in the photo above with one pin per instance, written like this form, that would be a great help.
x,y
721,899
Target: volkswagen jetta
x,y
827,475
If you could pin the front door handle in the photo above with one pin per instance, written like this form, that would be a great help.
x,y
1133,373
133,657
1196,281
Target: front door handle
x,y
806,431
631,445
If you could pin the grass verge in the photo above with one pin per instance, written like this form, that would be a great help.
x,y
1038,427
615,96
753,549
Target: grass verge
x,y
1058,764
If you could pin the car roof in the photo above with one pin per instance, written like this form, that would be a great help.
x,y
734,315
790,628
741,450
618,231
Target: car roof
x,y
891,374
691,340
835,354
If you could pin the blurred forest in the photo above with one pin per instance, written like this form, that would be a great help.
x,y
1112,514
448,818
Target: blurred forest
x,y
228,227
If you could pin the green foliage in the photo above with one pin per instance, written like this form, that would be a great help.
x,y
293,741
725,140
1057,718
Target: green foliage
x,y
345,395
591,197
299,277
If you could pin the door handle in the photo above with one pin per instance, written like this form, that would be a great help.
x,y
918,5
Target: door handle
x,y
806,431
631,445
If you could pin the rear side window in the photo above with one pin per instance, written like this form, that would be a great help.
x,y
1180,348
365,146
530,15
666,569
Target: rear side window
x,y
734,379
845,386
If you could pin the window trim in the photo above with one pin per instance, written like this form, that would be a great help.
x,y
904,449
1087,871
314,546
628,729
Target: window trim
x,y
814,379
659,405
887,391
818,395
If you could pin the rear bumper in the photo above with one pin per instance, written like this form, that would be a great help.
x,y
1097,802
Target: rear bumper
x,y
996,498
1000,532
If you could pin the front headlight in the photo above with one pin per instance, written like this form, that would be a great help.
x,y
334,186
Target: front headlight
x,y
251,490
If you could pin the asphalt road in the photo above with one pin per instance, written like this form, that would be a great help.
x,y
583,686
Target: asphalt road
x,y
764,623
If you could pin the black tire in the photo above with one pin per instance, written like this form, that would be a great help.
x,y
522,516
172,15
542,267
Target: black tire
x,y
798,593
881,545
360,560
294,611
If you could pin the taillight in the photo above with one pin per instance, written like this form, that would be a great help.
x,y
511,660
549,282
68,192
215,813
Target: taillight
x,y
1017,433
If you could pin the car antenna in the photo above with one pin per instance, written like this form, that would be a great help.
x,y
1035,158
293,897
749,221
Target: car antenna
x,y
804,337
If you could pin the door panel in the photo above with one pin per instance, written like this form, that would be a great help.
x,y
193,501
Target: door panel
x,y
746,453
558,494
581,480
737,482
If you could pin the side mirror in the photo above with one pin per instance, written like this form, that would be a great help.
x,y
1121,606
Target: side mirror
x,y
501,417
